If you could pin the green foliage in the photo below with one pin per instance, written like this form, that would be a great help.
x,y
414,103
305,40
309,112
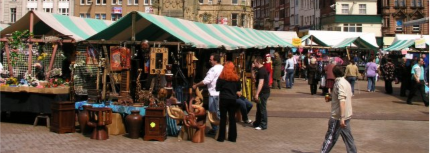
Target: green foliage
x,y
18,38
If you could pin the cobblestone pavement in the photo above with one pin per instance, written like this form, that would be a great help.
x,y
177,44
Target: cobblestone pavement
x,y
297,124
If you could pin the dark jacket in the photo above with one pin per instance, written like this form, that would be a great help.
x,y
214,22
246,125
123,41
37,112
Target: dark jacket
x,y
313,74
277,68
227,89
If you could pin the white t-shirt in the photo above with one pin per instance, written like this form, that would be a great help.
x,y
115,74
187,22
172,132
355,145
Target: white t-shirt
x,y
211,78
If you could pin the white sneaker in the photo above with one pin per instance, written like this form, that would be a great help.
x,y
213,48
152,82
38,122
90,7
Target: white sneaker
x,y
258,128
248,122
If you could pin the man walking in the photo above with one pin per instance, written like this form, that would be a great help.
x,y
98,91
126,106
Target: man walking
x,y
341,112
210,80
418,83
261,95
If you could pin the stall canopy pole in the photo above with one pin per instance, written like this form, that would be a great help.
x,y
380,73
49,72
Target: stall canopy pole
x,y
52,61
9,62
30,46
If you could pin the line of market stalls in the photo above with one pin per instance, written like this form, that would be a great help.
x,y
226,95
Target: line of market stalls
x,y
189,46
409,46
342,44
44,39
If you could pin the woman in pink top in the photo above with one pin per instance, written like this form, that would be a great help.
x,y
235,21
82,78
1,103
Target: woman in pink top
x,y
330,76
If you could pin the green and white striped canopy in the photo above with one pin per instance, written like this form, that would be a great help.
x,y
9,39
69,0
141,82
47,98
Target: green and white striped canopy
x,y
3,26
337,39
158,28
56,24
399,45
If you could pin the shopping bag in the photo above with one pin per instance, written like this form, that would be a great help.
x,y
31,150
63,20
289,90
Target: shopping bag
x,y
322,81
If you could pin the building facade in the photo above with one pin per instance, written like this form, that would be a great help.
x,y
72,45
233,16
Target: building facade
x,y
12,10
396,12
261,14
308,15
351,16
227,12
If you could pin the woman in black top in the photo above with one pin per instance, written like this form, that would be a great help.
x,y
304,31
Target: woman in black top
x,y
228,84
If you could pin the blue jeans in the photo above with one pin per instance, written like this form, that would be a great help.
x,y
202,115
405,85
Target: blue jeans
x,y
351,81
214,108
245,106
371,83
290,77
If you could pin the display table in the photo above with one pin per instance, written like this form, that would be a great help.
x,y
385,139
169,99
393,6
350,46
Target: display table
x,y
59,90
29,101
172,128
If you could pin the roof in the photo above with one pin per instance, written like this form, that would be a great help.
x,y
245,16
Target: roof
x,y
402,41
337,39
159,28
3,26
56,24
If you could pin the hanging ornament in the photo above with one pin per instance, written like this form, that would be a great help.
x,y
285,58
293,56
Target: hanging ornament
x,y
293,49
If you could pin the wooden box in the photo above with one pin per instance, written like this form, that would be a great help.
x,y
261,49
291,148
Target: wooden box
x,y
63,117
155,124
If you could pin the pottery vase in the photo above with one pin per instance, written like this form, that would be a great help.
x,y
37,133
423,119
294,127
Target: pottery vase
x,y
83,118
134,124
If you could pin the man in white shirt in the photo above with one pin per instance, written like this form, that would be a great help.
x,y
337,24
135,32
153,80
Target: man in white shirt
x,y
210,80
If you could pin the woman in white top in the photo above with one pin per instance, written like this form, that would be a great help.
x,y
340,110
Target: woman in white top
x,y
289,68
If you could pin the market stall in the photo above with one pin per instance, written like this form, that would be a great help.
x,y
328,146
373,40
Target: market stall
x,y
38,48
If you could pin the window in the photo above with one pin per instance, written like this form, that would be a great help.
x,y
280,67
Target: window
x,y
416,28
386,22
234,2
114,2
399,25
119,2
82,15
362,8
301,20
64,11
200,1
396,3
116,17
243,20
97,16
234,19
386,3
82,2
32,9
419,3
136,2
103,16
88,15
148,2
402,3
345,8
352,28
98,2
13,15
103,2
47,10
413,3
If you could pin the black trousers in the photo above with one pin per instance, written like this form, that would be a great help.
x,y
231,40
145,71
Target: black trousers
x,y
404,86
227,106
389,86
418,86
313,88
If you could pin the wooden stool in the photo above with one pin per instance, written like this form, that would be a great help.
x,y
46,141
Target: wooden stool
x,y
99,118
41,115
